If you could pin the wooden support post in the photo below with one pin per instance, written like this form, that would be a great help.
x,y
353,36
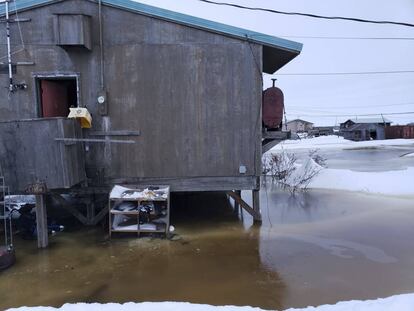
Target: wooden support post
x,y
243,204
257,217
100,215
70,208
41,221
90,213
236,203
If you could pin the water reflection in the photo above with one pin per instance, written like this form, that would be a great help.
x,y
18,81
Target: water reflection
x,y
372,159
281,207
313,248
215,261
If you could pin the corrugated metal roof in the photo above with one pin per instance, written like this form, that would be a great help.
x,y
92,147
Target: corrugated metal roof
x,y
370,120
276,51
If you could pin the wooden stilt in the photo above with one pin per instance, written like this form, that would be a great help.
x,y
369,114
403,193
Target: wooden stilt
x,y
257,217
41,221
100,215
236,203
62,201
90,213
255,214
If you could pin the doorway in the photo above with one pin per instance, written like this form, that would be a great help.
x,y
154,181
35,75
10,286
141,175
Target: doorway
x,y
373,135
56,96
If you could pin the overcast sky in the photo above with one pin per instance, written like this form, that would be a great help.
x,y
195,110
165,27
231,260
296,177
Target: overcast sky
x,y
311,97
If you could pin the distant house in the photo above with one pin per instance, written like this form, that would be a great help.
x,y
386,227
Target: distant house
x,y
299,126
364,128
323,131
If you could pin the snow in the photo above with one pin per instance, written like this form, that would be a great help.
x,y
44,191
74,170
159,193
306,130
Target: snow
x,y
120,192
326,142
388,183
408,155
399,302
397,182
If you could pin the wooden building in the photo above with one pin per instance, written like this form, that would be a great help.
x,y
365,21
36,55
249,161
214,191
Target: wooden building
x,y
361,129
175,99
299,126
317,131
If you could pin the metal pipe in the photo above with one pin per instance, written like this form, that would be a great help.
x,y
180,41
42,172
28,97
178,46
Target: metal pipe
x,y
8,47
90,140
4,208
102,84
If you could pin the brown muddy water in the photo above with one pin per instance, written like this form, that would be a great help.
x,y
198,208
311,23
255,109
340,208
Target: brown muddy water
x,y
314,248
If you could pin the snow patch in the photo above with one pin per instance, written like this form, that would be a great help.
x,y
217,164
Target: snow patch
x,y
328,142
388,183
397,182
399,302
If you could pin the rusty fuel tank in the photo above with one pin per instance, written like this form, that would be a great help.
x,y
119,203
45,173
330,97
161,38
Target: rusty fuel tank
x,y
272,107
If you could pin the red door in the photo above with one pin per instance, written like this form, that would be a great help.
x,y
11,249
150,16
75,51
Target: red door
x,y
54,99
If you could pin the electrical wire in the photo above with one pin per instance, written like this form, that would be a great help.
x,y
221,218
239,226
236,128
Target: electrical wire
x,y
12,53
347,38
20,32
354,114
344,73
354,106
352,19
18,24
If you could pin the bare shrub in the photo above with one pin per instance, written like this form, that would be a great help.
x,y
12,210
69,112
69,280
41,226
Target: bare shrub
x,y
320,160
283,168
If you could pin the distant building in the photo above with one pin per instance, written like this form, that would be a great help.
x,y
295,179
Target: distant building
x,y
299,126
323,131
364,128
399,131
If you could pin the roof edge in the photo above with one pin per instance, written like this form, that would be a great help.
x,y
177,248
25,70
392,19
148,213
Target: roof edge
x,y
205,24
180,18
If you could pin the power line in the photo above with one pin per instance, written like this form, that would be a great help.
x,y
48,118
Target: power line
x,y
352,19
354,106
343,73
353,114
348,38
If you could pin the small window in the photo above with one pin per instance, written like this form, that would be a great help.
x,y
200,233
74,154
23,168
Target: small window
x,y
56,96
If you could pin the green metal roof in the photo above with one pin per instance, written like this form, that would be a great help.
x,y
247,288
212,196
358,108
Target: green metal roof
x,y
276,51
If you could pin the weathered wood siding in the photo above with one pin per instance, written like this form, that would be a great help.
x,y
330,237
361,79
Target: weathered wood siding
x,y
30,149
195,96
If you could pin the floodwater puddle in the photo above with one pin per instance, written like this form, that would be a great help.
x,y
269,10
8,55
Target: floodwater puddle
x,y
313,248
342,248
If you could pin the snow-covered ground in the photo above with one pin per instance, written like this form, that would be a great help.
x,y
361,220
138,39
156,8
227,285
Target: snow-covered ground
x,y
392,182
394,303
325,142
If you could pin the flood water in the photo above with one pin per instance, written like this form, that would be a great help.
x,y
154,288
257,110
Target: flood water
x,y
364,159
315,248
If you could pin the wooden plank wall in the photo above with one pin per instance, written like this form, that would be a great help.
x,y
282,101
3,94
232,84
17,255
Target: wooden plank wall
x,y
194,96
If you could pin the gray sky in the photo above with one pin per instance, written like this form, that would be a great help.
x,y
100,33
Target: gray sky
x,y
309,97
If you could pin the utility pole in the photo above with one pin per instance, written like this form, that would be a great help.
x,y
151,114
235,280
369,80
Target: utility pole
x,y
12,86
9,62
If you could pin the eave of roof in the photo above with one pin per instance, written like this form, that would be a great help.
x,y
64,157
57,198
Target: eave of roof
x,y
369,120
277,52
301,120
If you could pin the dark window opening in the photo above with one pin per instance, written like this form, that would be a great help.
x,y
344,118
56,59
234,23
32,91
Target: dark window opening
x,y
56,96
373,135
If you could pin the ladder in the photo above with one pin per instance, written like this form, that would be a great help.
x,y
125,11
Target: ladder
x,y
5,214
